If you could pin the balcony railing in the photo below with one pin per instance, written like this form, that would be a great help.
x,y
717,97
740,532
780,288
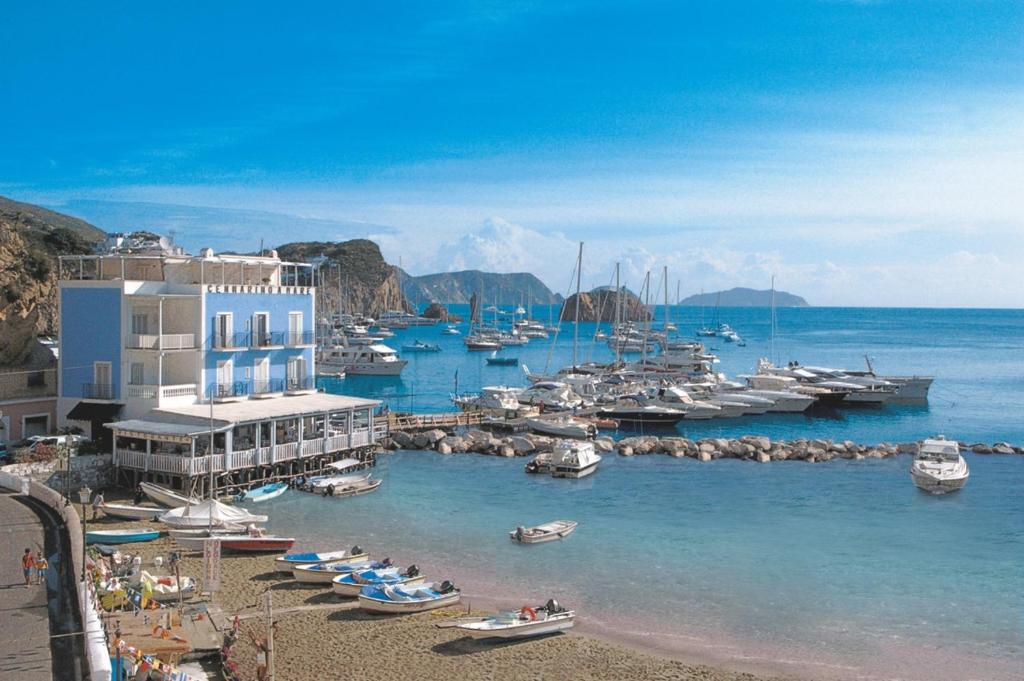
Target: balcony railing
x,y
268,387
98,391
268,339
167,341
149,392
300,384
229,341
247,458
221,391
293,340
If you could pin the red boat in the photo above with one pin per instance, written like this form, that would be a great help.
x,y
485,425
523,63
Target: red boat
x,y
249,544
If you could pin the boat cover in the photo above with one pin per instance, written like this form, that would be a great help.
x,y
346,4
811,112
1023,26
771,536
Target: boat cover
x,y
210,512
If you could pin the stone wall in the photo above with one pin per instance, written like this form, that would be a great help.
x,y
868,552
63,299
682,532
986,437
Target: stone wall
x,y
95,471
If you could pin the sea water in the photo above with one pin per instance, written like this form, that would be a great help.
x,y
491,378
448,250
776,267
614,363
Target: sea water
x,y
841,569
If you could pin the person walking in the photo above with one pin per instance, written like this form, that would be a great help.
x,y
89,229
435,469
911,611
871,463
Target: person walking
x,y
42,565
28,563
97,502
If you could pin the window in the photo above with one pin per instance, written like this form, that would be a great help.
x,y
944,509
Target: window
x,y
294,328
361,419
140,323
266,433
287,431
297,379
261,375
101,381
243,437
225,378
313,427
36,379
223,330
38,424
338,423
138,374
261,329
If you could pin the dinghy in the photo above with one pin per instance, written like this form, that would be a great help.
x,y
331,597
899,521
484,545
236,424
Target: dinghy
x,y
166,497
351,584
525,623
287,562
120,536
539,534
256,543
325,572
352,488
265,493
408,599
195,539
129,512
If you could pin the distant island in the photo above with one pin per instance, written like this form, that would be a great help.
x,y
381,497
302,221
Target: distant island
x,y
745,297
515,288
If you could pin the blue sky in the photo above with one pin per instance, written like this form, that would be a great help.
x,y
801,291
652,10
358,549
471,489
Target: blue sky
x,y
863,152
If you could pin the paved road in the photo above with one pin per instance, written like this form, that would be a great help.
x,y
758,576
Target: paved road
x,y
24,620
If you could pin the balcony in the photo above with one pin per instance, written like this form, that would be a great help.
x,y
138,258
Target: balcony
x,y
230,342
268,339
151,392
300,385
97,391
229,391
267,387
297,340
167,341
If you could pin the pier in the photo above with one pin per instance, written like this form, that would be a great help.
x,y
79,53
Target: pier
x,y
443,421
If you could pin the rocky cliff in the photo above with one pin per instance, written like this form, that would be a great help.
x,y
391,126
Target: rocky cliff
x,y
31,238
745,297
518,288
599,305
367,284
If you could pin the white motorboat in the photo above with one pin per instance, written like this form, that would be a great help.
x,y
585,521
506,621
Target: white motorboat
x,y
524,623
352,584
540,534
573,459
364,360
352,488
166,497
129,512
386,599
496,400
323,573
562,426
939,467
450,330
287,562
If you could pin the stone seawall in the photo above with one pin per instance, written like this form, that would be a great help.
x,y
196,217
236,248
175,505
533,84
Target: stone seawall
x,y
749,447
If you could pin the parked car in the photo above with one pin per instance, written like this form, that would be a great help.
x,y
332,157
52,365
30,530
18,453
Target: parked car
x,y
34,442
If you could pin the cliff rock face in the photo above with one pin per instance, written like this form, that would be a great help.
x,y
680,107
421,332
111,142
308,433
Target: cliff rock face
x,y
456,288
599,305
31,238
356,278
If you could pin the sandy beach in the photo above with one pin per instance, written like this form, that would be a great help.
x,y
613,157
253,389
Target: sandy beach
x,y
322,636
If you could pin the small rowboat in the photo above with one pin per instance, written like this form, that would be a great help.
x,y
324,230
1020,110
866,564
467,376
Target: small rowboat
x,y
352,489
120,536
195,539
525,623
408,599
325,572
352,584
287,562
249,544
539,534
266,492
166,497
129,512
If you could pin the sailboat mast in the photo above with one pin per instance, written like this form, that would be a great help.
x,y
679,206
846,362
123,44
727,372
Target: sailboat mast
x,y
576,325
618,312
647,303
773,321
665,276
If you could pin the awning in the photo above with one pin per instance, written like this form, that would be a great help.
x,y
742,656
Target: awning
x,y
158,430
94,411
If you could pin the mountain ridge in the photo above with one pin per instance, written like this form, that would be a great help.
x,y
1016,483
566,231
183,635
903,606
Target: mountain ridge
x,y
744,297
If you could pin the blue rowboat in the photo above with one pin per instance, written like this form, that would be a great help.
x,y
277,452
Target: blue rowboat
x,y
120,536
287,562
351,584
257,494
326,572
406,599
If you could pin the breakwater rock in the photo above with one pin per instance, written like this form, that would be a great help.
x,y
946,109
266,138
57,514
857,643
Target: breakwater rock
x,y
749,447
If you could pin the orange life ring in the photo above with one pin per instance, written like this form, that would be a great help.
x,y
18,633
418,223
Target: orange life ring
x,y
527,611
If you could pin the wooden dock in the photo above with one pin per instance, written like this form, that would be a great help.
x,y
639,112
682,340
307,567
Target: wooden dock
x,y
407,422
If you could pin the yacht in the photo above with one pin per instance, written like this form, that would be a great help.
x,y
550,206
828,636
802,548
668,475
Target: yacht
x,y
497,400
574,459
363,360
939,467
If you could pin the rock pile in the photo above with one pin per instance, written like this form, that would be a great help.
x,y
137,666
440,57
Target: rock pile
x,y
481,442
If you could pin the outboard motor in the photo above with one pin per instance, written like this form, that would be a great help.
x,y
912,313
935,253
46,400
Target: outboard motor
x,y
355,550
386,562
412,571
446,587
519,532
553,606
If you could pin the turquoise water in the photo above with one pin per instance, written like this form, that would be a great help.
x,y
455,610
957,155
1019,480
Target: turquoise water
x,y
828,570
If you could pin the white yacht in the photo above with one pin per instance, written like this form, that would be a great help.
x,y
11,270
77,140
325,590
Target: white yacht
x,y
939,467
366,360
496,400
574,459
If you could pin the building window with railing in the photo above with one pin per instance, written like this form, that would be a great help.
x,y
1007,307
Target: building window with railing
x,y
223,331
243,437
360,419
337,423
313,427
287,431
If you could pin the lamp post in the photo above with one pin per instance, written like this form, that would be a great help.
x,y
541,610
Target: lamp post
x,y
84,496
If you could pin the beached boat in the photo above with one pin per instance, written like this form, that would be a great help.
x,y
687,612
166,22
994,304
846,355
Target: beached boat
x,y
524,623
351,584
408,599
195,538
287,562
323,573
265,493
255,543
939,467
562,426
166,497
210,513
420,346
573,459
167,588
539,534
129,512
120,536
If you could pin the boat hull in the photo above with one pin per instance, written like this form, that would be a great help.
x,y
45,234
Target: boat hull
x,y
165,497
352,590
574,472
119,537
257,544
364,368
407,607
128,512
551,625
937,486
287,563
306,576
